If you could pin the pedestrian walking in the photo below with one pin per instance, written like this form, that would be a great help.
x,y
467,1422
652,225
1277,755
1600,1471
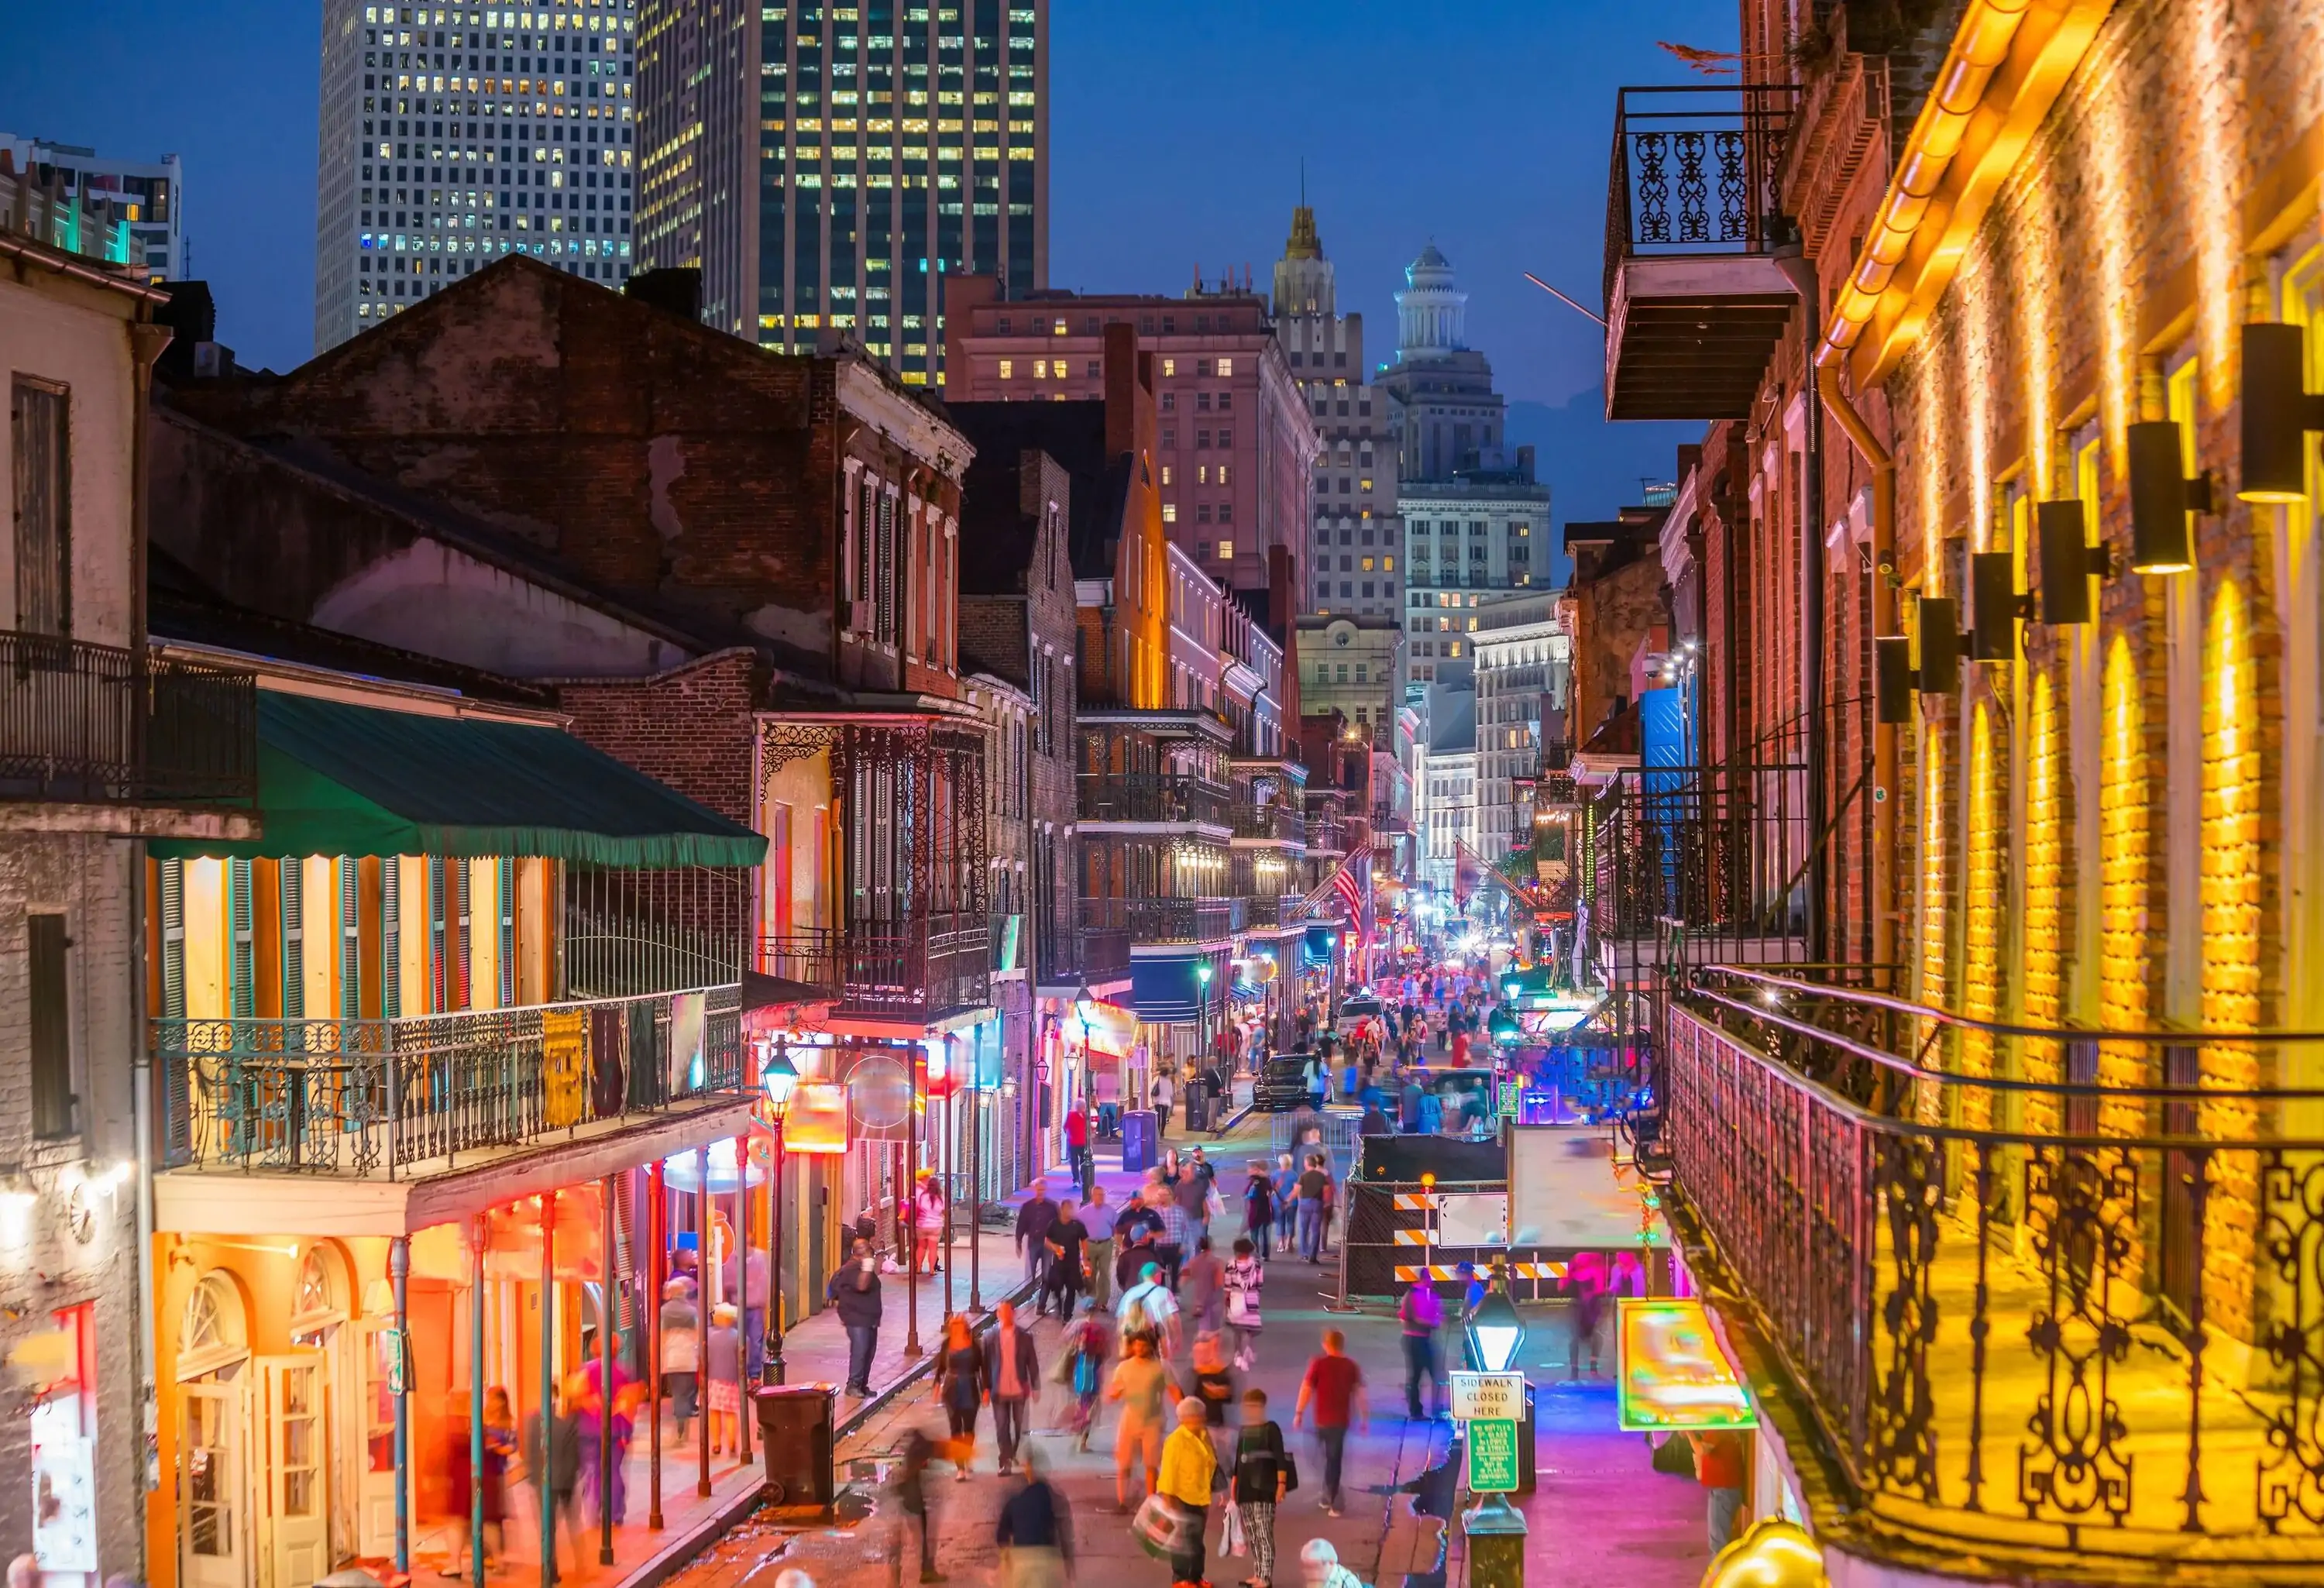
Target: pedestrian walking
x,y
1213,1383
853,1292
930,1214
1258,1206
1099,1263
1287,1202
1719,1468
1066,1241
1078,1157
1586,1290
1034,1214
1149,1311
552,1456
1246,1276
723,1348
1329,1394
1203,1282
1190,1468
1313,1183
1262,1474
1178,1234
1161,1104
745,1284
1035,1532
681,1352
1016,1373
910,1483
1088,1343
964,1383
1421,1314
1140,1383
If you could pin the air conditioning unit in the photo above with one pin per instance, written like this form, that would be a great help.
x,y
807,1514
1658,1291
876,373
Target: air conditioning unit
x,y
859,617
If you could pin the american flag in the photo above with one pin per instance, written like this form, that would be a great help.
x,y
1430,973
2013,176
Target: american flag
x,y
1353,885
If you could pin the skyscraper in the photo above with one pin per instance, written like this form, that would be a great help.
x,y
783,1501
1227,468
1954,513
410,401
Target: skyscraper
x,y
1358,543
1475,519
454,134
827,166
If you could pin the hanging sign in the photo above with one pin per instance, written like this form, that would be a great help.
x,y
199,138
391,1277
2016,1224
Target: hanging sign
x,y
564,1066
1488,1397
64,1504
1671,1373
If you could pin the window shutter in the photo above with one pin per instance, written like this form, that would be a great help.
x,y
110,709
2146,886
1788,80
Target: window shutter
x,y
505,896
461,926
439,988
294,939
391,937
39,415
51,1029
243,966
351,937
173,940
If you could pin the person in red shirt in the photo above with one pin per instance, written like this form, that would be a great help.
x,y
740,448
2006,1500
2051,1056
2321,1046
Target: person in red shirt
x,y
1333,1388
1077,1149
1719,1468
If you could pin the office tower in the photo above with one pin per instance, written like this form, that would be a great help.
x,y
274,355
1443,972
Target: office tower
x,y
148,197
452,135
1358,542
1235,438
1475,519
827,166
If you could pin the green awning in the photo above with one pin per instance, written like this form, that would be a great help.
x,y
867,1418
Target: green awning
x,y
336,779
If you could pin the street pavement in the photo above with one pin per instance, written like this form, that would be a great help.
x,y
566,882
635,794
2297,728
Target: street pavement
x,y
1601,1515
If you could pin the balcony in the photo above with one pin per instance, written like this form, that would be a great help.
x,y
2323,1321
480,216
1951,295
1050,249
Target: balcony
x,y
1277,910
1159,798
1097,952
2075,1313
97,725
360,1098
1269,824
912,969
1695,301
1154,921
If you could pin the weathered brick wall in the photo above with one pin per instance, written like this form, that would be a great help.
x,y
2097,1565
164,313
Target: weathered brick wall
x,y
689,729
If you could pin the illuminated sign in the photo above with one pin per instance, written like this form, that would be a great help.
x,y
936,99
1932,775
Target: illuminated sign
x,y
1670,1371
816,1120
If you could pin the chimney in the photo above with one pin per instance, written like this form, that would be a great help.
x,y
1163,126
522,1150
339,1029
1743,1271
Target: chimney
x,y
674,289
1126,377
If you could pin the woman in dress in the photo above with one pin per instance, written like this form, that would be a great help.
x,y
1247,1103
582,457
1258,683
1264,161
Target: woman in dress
x,y
928,1219
964,1383
723,1370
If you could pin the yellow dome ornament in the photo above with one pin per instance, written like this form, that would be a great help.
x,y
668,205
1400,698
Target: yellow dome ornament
x,y
1774,1554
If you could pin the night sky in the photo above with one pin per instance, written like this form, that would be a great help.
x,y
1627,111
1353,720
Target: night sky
x,y
1177,132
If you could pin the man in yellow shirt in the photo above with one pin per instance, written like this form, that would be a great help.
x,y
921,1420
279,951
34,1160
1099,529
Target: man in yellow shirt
x,y
1189,1466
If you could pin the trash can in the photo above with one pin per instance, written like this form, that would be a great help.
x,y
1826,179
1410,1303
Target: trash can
x,y
1137,1134
795,1425
1198,1102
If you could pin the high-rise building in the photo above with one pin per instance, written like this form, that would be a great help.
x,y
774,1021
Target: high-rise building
x,y
452,135
1521,659
146,196
1358,543
827,167
1475,519
1236,442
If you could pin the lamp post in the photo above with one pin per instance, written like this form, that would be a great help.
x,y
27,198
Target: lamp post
x,y
1496,1530
1202,1023
777,1078
1083,1002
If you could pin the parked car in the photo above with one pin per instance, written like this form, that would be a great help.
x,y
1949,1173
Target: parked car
x,y
1281,1086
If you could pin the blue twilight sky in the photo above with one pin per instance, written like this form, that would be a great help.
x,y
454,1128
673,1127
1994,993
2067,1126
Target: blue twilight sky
x,y
1177,128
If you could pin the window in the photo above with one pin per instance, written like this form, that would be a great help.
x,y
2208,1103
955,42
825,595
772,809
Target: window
x,y
1169,512
1202,550
1226,398
1169,401
43,447
1040,369
1226,548
1093,370
1224,469
1226,512
1226,368
1166,473
50,1035
1170,365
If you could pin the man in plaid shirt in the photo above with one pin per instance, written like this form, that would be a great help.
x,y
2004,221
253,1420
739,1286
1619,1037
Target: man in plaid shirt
x,y
1178,1233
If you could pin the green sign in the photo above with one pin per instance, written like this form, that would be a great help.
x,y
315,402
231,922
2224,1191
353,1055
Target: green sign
x,y
1493,1456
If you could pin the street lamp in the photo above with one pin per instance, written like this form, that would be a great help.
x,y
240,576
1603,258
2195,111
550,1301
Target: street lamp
x,y
777,1078
1082,1005
1202,1025
1496,1528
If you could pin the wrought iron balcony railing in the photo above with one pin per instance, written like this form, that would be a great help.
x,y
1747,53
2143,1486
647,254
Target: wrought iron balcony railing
x,y
1279,823
1096,953
1277,910
80,722
1166,920
378,1096
1694,171
920,966
2044,1291
1152,797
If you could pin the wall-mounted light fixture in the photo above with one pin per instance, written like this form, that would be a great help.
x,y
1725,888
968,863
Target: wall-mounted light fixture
x,y
2162,495
1996,603
2068,561
2278,412
1942,644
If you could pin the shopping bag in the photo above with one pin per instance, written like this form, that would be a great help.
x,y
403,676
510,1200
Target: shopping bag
x,y
1232,1538
1162,1526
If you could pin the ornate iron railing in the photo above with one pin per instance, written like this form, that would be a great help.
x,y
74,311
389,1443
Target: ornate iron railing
x,y
921,964
378,1096
1694,171
104,724
1097,952
1279,822
2044,1291
1166,920
1152,797
1280,910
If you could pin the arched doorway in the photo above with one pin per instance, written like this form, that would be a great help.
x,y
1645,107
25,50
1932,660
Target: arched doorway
x,y
213,1418
322,1321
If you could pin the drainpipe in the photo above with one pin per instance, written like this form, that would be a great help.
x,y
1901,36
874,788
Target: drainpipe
x,y
1792,261
1883,464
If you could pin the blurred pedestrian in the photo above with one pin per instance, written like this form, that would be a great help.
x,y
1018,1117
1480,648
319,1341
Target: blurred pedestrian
x,y
1258,1205
681,1352
1422,1314
1088,1341
1015,1374
1034,1214
930,1215
1066,1241
1203,1282
1099,1221
722,1348
1719,1468
910,1485
1246,1276
1139,1382
1334,1390
1262,1472
1190,1467
1077,1149
1035,1532
964,1384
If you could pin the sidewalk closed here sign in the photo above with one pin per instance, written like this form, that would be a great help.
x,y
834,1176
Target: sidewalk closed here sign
x,y
1493,1456
1488,1395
